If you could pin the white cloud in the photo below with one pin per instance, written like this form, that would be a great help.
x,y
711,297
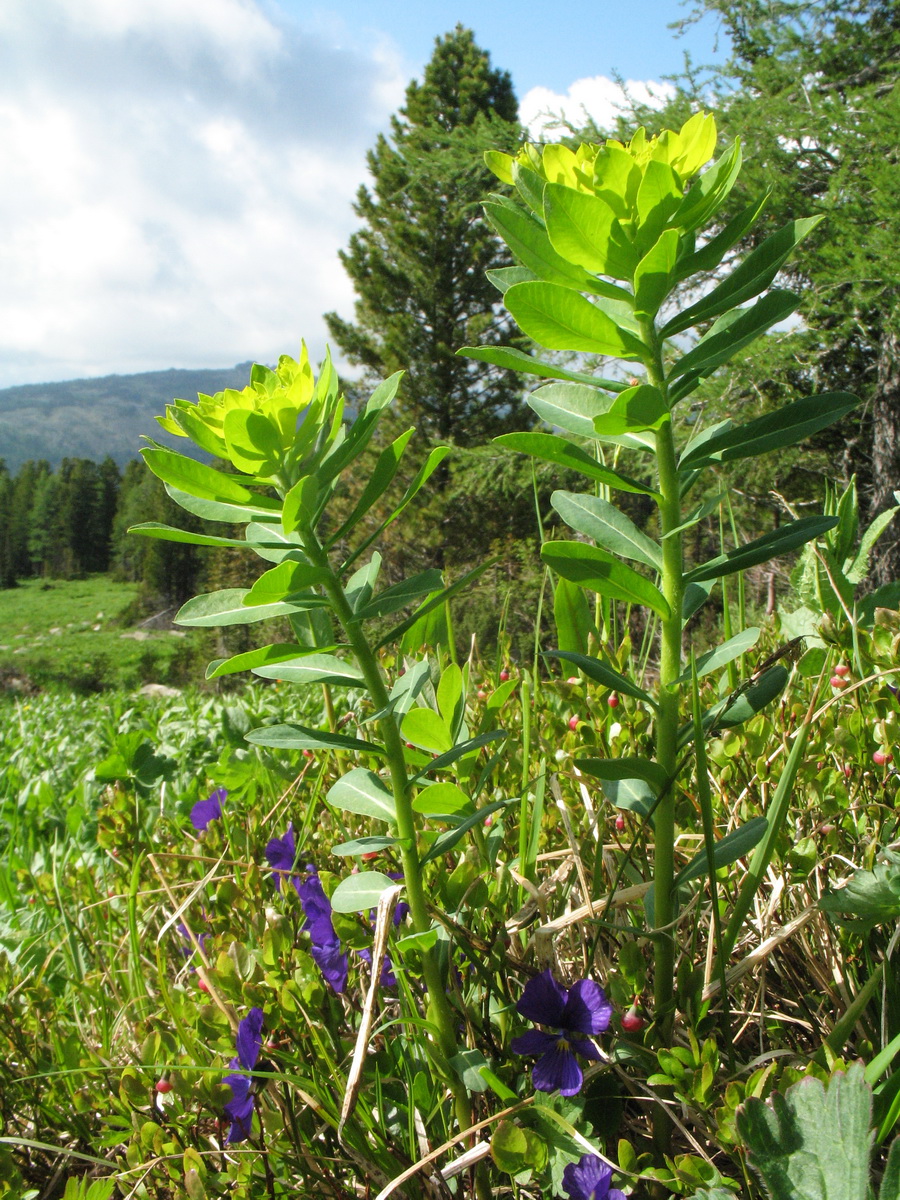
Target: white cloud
x,y
598,99
178,179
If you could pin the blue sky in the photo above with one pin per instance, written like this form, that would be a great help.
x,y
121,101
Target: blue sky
x,y
179,174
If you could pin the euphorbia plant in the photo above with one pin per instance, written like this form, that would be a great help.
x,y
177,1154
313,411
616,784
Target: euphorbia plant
x,y
608,238
286,438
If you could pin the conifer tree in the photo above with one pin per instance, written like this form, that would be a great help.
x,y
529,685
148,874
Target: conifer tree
x,y
418,264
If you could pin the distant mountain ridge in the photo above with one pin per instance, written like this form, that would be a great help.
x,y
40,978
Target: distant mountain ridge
x,y
91,418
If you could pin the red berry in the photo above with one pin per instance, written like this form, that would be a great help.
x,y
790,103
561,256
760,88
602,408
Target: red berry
x,y
574,722
410,746
504,675
613,700
371,854
307,753
482,695
573,679
842,669
620,822
163,1085
632,1021
202,984
848,771
880,757
837,682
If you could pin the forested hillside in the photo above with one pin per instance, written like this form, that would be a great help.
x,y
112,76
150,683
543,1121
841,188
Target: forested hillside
x,y
93,418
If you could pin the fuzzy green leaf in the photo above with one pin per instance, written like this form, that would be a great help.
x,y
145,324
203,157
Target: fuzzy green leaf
x,y
227,608
313,668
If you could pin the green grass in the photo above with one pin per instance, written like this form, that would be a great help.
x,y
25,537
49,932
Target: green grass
x,y
73,634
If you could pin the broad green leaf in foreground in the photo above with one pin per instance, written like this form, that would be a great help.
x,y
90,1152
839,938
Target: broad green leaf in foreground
x,y
602,573
608,526
359,893
361,791
550,448
813,1142
770,545
313,668
227,608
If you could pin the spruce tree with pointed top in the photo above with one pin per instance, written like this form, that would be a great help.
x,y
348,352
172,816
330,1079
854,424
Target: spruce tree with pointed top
x,y
418,264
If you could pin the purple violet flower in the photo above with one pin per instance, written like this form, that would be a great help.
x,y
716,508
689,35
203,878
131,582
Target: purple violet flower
x,y
325,943
280,855
581,1009
387,978
589,1179
205,811
240,1107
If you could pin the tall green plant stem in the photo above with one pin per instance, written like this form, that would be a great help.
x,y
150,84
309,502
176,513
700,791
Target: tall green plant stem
x,y
669,690
440,1010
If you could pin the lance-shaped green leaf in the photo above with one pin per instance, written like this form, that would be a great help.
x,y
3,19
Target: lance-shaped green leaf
x,y
695,596
218,510
658,197
253,442
770,545
584,230
285,580
227,608
313,668
361,584
752,276
446,841
444,801
625,768
573,407
529,243
516,360
739,707
721,656
726,851
654,275
633,411
602,573
784,427
610,528
711,253
299,737
471,746
394,598
383,475
361,791
730,334
503,278
365,845
435,457
359,893
551,448
858,567
427,729
572,615
635,795
708,193
270,542
694,518
435,600
561,319
261,657
167,533
202,481
405,690
604,675
361,431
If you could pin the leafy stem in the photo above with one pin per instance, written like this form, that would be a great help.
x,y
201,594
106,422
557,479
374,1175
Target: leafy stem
x,y
441,1013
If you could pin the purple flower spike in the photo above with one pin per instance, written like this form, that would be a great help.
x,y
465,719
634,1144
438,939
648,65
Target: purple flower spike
x,y
280,854
249,1038
326,946
240,1107
589,1179
581,1009
205,811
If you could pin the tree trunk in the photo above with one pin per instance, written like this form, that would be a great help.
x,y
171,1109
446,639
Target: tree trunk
x,y
886,457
